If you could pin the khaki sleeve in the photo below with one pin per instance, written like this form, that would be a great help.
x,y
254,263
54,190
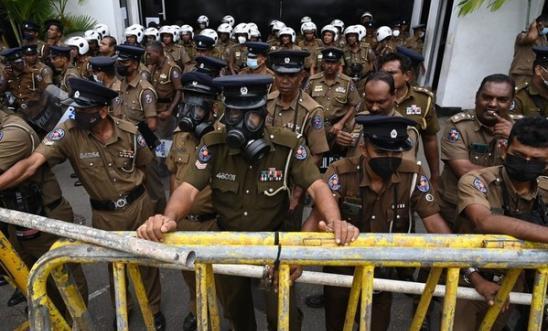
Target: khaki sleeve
x,y
15,145
198,174
185,59
471,190
333,181
353,95
47,76
303,171
171,158
55,146
144,154
452,144
432,123
315,132
148,100
423,199
175,74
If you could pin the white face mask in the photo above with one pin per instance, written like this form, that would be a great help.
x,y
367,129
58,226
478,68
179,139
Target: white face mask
x,y
396,33
421,34
241,40
96,79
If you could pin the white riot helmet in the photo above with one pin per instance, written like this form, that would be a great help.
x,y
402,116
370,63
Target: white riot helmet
x,y
308,27
271,24
254,33
138,26
176,33
331,28
187,29
252,25
306,19
352,29
367,14
287,31
383,32
203,20
166,29
338,24
362,31
134,31
152,32
211,34
229,20
78,42
224,28
277,26
241,28
102,29
91,35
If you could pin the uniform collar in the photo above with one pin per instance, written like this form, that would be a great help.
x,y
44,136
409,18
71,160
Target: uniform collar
x,y
292,105
115,133
508,182
135,81
335,81
408,95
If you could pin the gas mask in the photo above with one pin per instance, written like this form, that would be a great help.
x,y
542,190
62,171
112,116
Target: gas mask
x,y
193,116
85,120
245,129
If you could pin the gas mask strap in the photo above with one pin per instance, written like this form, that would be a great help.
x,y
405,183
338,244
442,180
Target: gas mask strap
x,y
413,184
284,186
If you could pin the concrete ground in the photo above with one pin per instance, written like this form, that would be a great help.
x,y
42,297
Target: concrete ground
x,y
174,291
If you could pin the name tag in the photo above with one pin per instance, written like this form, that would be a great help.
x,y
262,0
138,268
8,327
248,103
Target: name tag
x,y
340,89
89,155
318,88
413,110
225,176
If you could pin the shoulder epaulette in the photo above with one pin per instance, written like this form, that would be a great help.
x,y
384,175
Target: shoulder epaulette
x,y
283,137
463,116
126,126
316,76
214,138
308,103
347,165
273,95
409,166
423,90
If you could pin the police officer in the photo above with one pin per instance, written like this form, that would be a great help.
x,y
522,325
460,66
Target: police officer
x,y
475,140
532,96
205,46
257,56
504,199
187,33
109,156
309,43
195,119
212,66
224,30
166,80
385,41
416,41
328,35
417,60
365,187
60,59
237,54
79,58
286,40
104,72
417,104
244,164
359,60
42,73
370,36
175,51
336,92
30,33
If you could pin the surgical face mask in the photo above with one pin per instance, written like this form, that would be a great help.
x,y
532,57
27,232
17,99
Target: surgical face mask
x,y
421,34
245,130
122,70
396,33
85,120
543,32
203,26
252,63
96,79
195,118
522,170
241,40
385,166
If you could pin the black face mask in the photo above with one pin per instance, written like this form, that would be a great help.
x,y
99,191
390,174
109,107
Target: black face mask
x,y
521,170
243,133
28,36
86,121
385,166
195,119
122,70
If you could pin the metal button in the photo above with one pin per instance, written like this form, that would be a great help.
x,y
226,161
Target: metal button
x,y
245,213
246,191
279,114
373,217
110,164
271,190
91,164
271,136
114,180
250,167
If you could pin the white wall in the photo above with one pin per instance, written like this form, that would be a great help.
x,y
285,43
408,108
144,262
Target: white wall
x,y
103,11
479,44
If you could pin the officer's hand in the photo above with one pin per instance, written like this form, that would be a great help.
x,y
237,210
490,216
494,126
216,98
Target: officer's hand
x,y
336,128
487,289
164,115
343,138
155,227
502,128
295,271
345,233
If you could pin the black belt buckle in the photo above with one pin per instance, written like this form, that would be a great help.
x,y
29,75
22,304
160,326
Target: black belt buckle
x,y
120,203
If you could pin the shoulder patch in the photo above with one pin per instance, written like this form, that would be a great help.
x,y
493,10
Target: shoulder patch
x,y
334,183
453,136
141,141
203,154
301,153
424,184
148,98
56,135
1,135
479,185
317,122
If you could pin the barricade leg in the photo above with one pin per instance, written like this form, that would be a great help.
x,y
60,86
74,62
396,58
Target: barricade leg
x,y
366,297
353,299
450,300
74,302
500,300
201,296
10,261
283,297
214,316
426,298
120,294
141,294
538,302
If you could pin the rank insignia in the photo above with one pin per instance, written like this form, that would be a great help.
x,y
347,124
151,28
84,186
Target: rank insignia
x,y
413,110
317,122
479,185
424,184
340,89
301,153
199,165
453,135
334,183
271,175
203,154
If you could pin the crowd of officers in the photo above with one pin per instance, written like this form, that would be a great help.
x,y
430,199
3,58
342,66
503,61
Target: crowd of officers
x,y
334,114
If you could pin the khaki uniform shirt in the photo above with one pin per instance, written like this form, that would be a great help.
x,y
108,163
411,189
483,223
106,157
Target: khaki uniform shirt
x,y
371,41
419,105
415,43
251,197
178,54
107,171
64,77
162,78
278,47
237,56
42,73
305,116
408,191
183,149
312,47
484,187
263,70
335,96
528,102
465,138
190,50
26,87
385,48
363,56
522,64
223,49
137,100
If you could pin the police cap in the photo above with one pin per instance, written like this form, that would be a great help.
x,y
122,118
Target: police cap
x,y
199,83
101,63
11,54
30,26
203,42
244,91
86,93
332,54
210,65
288,61
29,50
387,133
129,52
257,47
413,55
59,51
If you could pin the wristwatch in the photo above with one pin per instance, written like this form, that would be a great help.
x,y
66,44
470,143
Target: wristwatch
x,y
467,272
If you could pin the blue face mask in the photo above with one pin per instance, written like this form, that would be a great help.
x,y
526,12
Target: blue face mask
x,y
252,63
544,32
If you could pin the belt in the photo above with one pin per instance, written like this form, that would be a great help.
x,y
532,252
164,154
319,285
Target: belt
x,y
121,202
201,217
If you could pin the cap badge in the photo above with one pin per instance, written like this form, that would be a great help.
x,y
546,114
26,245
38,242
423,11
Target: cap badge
x,y
287,60
194,83
201,65
330,54
243,90
393,134
77,94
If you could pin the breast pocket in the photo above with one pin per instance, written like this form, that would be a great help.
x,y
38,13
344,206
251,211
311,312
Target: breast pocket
x,y
479,154
93,168
181,162
272,194
225,192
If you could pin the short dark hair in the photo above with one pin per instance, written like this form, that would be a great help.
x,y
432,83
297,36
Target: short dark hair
x,y
112,40
405,62
542,18
498,78
156,45
530,131
381,76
